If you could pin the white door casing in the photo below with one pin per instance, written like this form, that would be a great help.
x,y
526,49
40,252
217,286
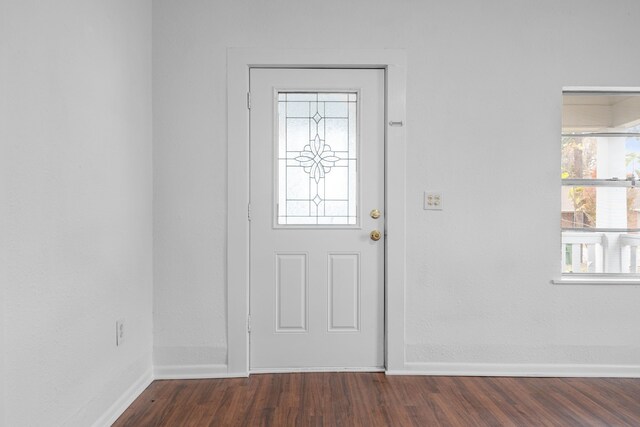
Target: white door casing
x,y
316,290
239,62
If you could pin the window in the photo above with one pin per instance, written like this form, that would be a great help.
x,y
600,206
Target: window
x,y
600,218
317,158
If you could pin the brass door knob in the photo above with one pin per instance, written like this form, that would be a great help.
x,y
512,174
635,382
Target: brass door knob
x,y
375,235
375,214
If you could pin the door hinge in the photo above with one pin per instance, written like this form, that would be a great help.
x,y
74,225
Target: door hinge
x,y
249,323
249,211
249,100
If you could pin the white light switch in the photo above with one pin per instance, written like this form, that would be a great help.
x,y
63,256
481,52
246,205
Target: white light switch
x,y
432,201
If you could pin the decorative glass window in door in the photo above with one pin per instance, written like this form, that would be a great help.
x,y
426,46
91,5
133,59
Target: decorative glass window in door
x,y
317,158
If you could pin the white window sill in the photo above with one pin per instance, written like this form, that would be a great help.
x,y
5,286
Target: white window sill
x,y
597,280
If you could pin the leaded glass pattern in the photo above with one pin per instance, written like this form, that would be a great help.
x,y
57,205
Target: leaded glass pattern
x,y
317,158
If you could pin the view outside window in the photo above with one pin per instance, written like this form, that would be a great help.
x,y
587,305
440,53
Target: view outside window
x,y
600,170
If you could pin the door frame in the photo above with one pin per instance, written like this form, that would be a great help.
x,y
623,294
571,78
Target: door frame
x,y
239,62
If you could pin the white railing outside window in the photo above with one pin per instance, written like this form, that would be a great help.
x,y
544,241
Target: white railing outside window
x,y
583,252
629,253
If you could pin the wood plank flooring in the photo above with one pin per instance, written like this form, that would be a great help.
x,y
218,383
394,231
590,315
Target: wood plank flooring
x,y
373,399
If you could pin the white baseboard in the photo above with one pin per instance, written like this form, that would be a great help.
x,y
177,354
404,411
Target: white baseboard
x,y
518,370
322,369
168,372
186,372
121,405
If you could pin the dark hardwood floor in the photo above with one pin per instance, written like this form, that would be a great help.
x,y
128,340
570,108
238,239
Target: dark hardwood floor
x,y
373,399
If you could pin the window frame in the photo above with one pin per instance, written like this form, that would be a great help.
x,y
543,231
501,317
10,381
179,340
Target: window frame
x,y
276,189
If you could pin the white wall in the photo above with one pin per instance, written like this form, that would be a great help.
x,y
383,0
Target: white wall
x,y
76,206
483,124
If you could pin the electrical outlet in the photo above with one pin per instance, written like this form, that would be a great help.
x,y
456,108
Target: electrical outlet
x,y
119,332
432,201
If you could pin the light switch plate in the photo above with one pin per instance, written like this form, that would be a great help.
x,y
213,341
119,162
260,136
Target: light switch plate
x,y
433,200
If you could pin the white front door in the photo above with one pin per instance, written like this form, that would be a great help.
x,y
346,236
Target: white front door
x,y
317,182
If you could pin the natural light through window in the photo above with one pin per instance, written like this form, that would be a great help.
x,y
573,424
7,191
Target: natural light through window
x,y
317,158
600,183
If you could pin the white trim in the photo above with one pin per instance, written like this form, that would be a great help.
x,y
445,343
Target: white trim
x,y
595,281
519,370
321,369
127,398
596,89
187,372
239,61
